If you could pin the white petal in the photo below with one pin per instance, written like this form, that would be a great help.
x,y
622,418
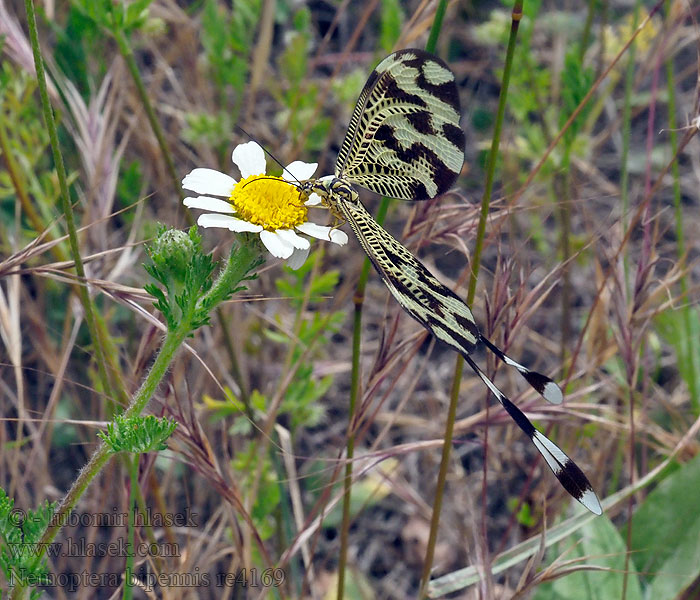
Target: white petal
x,y
209,181
239,225
295,240
314,200
250,159
207,203
276,245
339,237
230,223
318,231
298,258
299,171
214,220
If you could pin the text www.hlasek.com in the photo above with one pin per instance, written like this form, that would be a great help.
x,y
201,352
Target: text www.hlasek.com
x,y
82,548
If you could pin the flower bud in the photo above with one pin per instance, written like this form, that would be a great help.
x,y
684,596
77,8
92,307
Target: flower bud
x,y
172,253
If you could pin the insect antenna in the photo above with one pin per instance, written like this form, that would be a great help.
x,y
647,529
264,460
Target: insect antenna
x,y
247,183
266,151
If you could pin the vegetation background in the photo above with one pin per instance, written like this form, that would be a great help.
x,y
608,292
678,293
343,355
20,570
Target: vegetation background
x,y
589,272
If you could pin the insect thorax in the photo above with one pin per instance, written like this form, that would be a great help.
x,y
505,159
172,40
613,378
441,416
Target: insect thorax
x,y
332,191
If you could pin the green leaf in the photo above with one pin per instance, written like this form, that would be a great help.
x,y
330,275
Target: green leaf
x,y
227,38
19,534
138,434
208,129
302,20
72,41
666,530
10,533
365,492
356,586
136,14
524,516
241,426
185,274
301,399
681,329
294,61
247,464
599,543
391,20
576,82
679,573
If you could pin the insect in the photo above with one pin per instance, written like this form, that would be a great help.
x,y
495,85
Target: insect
x,y
404,141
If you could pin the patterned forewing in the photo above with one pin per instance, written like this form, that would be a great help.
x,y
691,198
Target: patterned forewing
x,y
427,300
404,139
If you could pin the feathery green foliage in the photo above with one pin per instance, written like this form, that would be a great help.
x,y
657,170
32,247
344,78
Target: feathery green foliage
x,y
20,533
138,434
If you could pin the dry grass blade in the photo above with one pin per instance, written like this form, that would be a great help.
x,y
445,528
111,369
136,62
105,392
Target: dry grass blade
x,y
261,395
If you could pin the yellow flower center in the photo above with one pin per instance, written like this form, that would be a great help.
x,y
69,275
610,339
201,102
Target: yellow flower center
x,y
268,201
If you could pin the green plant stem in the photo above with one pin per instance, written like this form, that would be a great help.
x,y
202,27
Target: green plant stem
x,y
172,342
436,26
692,378
128,55
66,207
356,339
585,36
352,428
626,132
476,260
563,180
624,193
358,301
244,257
109,353
128,592
241,261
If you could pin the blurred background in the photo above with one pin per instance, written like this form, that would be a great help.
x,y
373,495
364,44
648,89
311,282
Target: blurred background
x,y
589,273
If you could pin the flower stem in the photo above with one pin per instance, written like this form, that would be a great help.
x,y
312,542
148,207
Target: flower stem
x,y
65,200
476,259
165,356
128,592
242,260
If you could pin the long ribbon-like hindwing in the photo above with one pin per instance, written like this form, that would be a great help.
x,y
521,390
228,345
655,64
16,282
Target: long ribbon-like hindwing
x,y
445,315
428,301
404,141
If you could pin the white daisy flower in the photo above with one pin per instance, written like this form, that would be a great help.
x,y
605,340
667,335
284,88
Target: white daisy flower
x,y
270,206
